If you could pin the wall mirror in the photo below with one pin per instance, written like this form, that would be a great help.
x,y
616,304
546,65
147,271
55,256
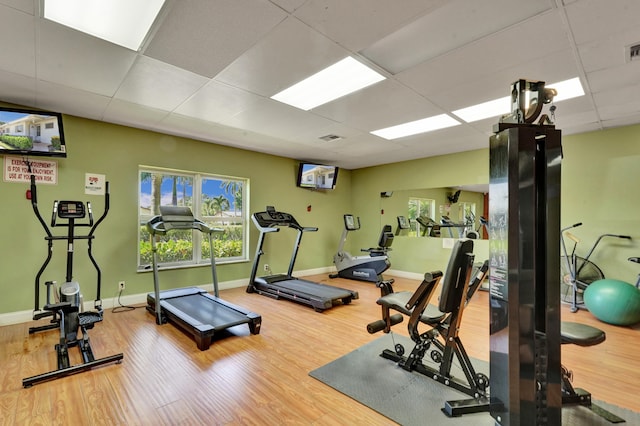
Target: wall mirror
x,y
449,212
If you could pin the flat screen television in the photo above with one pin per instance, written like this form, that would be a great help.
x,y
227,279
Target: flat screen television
x,y
31,132
317,176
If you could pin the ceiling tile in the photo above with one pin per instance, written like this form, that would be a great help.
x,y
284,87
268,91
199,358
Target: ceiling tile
x,y
622,121
611,51
17,42
158,85
218,102
488,56
17,89
268,117
290,53
384,104
618,103
289,5
204,36
614,77
130,114
433,34
23,5
71,101
80,61
599,19
355,24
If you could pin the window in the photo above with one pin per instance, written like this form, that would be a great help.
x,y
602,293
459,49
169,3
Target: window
x,y
20,128
220,201
423,209
48,125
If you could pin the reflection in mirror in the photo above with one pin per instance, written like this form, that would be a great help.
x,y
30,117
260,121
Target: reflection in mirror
x,y
439,212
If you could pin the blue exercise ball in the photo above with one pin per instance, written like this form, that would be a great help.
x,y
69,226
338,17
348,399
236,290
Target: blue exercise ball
x,y
613,301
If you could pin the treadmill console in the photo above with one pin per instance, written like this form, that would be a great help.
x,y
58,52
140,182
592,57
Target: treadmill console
x,y
271,218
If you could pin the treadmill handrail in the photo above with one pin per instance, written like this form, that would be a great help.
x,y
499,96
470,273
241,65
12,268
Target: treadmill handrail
x,y
158,226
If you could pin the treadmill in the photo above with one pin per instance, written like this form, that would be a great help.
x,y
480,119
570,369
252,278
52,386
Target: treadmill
x,y
319,296
191,308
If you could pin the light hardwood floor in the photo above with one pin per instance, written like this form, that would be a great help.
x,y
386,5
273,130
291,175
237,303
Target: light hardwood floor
x,y
254,379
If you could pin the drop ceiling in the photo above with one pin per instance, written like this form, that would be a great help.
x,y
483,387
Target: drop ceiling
x,y
209,67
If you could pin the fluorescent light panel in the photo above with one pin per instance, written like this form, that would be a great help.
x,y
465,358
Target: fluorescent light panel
x,y
336,81
567,89
424,125
123,22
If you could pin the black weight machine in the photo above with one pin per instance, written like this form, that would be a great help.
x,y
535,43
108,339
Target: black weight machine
x,y
66,310
441,341
529,385
191,308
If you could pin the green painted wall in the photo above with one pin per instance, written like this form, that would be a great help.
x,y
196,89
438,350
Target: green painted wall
x,y
600,178
117,151
601,189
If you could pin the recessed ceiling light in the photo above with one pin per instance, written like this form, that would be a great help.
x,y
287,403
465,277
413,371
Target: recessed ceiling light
x,y
123,22
566,89
424,125
339,79
484,110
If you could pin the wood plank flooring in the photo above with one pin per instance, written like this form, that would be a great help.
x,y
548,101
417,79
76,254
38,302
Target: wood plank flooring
x,y
246,379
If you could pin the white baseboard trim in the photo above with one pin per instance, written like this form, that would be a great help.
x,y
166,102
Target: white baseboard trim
x,y
404,274
140,298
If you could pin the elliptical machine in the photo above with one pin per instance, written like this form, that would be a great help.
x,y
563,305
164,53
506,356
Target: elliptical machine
x,y
66,310
363,268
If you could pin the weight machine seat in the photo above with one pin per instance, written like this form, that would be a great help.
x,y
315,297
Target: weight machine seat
x,y
580,334
399,301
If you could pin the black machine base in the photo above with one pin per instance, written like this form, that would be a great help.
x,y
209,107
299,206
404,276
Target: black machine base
x,y
319,296
583,397
63,372
200,314
460,407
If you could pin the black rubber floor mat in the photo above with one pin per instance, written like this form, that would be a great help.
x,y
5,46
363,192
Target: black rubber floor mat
x,y
412,399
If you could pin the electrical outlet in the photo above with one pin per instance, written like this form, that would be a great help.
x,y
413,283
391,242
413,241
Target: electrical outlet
x,y
266,267
120,285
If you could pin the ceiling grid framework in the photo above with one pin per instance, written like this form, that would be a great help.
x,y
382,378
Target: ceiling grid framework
x,y
208,68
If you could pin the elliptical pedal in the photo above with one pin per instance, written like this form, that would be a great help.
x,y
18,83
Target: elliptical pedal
x,y
88,319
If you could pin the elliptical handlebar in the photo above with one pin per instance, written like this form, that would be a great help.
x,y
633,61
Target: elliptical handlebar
x,y
70,215
34,205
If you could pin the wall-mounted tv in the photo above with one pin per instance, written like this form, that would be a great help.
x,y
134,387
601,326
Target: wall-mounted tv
x,y
317,176
30,132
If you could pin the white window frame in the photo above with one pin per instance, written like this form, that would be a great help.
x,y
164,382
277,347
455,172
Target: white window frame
x,y
196,206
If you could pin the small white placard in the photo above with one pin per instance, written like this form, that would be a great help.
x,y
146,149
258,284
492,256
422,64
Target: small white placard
x,y
16,170
94,184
